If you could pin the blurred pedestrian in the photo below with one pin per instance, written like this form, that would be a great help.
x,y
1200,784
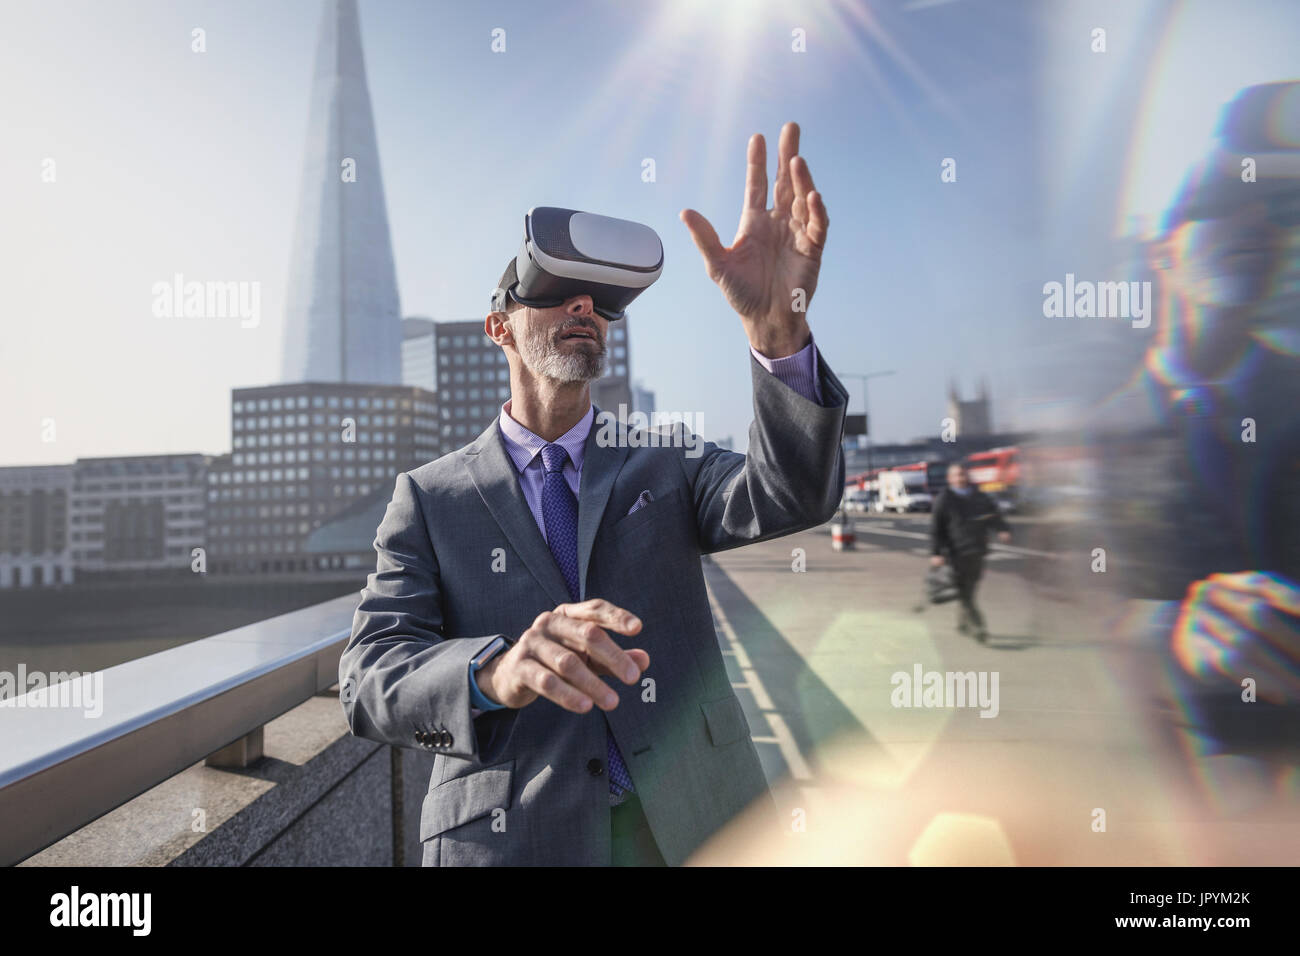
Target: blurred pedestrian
x,y
959,529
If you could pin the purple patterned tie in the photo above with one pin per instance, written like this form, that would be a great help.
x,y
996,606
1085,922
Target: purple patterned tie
x,y
560,515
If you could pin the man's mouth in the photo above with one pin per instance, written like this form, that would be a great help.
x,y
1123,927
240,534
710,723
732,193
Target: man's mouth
x,y
579,333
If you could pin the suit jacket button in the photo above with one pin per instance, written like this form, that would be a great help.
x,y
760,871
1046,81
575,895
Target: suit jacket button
x,y
445,738
595,767
419,736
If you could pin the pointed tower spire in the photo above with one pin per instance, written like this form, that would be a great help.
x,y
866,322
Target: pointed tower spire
x,y
342,320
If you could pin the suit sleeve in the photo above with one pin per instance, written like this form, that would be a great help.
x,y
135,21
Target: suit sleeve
x,y
400,681
793,476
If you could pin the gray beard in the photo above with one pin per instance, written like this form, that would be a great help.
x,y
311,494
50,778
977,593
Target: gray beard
x,y
542,355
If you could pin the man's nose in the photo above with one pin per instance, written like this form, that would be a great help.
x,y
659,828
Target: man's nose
x,y
580,305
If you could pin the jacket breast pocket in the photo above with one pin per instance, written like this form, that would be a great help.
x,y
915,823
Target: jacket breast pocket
x,y
665,508
725,719
461,800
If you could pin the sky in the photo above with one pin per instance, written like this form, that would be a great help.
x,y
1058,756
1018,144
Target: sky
x,y
170,161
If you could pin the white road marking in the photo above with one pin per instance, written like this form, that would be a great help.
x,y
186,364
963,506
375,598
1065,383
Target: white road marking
x,y
789,749
781,735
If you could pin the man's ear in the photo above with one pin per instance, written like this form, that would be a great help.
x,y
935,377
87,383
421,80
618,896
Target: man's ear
x,y
495,328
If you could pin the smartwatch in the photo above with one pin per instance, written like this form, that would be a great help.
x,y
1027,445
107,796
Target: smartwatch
x,y
478,699
502,643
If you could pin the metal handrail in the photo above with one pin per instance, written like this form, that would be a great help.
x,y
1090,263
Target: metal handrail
x,y
60,769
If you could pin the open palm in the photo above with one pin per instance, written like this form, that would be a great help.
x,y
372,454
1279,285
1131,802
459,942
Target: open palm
x,y
776,252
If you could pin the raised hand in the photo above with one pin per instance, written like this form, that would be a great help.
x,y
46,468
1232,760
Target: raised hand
x,y
776,251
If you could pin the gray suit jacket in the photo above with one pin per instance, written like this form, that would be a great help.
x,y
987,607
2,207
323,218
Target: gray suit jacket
x,y
516,786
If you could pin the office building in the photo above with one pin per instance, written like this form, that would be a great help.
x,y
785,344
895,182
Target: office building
x,y
34,505
137,515
301,455
419,353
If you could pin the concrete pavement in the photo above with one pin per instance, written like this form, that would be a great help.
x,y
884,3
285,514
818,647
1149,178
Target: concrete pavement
x,y
1075,764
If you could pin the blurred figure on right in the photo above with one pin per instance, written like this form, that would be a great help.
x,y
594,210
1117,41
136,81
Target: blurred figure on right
x,y
959,534
1199,453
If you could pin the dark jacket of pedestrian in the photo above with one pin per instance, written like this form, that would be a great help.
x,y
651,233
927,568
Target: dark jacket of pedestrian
x,y
959,524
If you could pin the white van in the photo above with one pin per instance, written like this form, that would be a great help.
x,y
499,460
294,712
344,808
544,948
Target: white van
x,y
903,491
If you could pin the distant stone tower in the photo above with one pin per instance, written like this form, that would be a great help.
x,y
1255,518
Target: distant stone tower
x,y
342,321
973,418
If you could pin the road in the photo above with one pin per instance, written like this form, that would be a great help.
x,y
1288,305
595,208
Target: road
x,y
1078,763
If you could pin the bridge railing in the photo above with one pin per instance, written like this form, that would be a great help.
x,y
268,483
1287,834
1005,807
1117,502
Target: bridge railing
x,y
67,756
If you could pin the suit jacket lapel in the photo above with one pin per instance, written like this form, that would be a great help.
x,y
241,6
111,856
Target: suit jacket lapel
x,y
497,481
601,462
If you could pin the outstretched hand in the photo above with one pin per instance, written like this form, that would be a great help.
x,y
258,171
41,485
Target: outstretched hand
x,y
769,272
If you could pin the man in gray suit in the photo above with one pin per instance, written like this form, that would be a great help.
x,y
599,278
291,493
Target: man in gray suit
x,y
484,634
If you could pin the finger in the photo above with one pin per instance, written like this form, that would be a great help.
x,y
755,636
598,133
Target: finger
x,y
801,176
756,174
639,657
602,612
1279,592
588,639
706,240
571,667
819,222
1253,611
1261,643
783,194
1195,650
1235,651
546,683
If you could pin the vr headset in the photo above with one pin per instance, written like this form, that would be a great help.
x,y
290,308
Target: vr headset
x,y
1261,123
566,253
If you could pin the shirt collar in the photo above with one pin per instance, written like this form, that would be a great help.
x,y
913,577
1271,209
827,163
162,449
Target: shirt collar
x,y
523,446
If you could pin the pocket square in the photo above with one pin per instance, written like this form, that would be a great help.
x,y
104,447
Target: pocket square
x,y
642,500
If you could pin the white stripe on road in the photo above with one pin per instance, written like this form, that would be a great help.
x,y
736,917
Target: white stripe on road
x,y
781,735
789,749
